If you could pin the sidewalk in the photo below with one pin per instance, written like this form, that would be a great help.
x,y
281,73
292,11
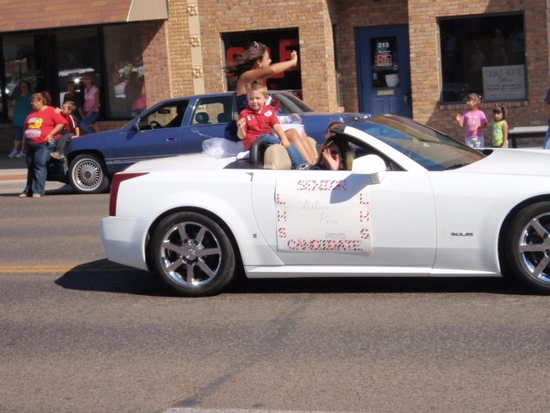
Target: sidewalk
x,y
12,169
13,177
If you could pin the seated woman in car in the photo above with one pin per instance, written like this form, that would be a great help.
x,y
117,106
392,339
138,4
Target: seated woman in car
x,y
335,154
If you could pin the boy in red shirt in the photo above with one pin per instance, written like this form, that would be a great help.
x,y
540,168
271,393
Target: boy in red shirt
x,y
257,121
70,131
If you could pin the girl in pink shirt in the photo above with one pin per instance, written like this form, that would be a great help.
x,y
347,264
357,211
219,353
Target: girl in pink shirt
x,y
474,120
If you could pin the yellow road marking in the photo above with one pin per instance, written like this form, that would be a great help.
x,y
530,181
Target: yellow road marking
x,y
53,268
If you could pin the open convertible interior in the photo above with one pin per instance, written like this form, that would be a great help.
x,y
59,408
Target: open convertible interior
x,y
266,156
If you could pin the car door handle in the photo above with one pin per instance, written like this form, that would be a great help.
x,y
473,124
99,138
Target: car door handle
x,y
170,139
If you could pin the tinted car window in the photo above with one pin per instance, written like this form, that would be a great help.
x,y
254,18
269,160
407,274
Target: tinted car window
x,y
212,110
288,103
169,115
428,147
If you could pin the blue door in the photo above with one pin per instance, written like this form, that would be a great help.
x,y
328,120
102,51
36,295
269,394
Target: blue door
x,y
384,70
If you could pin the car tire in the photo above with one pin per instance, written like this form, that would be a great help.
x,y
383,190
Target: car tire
x,y
193,254
87,174
527,247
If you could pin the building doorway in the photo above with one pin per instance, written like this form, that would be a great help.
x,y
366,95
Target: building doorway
x,y
384,70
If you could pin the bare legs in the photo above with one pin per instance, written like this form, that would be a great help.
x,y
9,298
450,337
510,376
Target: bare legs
x,y
301,141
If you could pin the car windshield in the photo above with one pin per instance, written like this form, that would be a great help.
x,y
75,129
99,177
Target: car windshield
x,y
287,103
433,150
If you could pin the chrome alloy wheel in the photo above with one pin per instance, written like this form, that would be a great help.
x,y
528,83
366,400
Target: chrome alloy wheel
x,y
534,247
527,247
191,254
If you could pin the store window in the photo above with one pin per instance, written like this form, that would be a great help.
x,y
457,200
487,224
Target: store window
x,y
25,58
49,59
484,55
78,52
280,43
126,76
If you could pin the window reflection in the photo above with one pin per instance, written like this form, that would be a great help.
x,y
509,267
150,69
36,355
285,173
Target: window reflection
x,y
126,78
483,55
51,59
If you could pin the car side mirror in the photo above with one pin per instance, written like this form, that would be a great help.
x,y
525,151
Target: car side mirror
x,y
372,165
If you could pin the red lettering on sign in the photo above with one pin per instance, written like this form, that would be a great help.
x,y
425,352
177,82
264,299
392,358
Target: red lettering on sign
x,y
233,53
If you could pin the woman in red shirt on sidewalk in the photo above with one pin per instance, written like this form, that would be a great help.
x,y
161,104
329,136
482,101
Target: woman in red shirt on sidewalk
x,y
42,128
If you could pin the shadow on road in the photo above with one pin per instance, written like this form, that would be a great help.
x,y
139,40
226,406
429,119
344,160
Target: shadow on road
x,y
105,276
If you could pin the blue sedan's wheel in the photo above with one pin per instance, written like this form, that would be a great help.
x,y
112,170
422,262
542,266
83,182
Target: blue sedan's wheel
x,y
193,254
528,247
86,175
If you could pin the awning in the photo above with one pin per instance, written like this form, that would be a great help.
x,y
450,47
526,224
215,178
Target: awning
x,y
32,15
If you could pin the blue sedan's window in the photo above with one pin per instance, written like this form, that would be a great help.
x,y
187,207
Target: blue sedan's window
x,y
213,110
288,103
169,115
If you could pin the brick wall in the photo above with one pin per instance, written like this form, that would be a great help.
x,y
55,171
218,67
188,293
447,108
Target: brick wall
x,y
168,50
421,16
425,71
179,61
157,62
349,15
316,46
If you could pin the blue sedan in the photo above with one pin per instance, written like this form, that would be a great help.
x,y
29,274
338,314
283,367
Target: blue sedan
x,y
172,127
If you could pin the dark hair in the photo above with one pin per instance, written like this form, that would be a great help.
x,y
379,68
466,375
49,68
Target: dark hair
x,y
25,82
246,61
500,108
343,147
43,96
333,124
70,104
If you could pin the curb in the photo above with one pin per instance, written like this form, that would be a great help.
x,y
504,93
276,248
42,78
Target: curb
x,y
20,177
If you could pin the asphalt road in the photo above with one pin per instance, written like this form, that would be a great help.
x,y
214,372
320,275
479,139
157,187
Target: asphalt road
x,y
79,334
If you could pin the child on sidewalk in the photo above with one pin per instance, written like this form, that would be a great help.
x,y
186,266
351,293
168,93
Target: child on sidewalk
x,y
70,131
500,127
474,120
258,119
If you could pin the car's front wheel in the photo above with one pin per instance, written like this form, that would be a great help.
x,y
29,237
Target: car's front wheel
x,y
86,174
527,247
193,254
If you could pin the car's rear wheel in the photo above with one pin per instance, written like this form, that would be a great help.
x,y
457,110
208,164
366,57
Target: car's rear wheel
x,y
527,247
193,254
86,174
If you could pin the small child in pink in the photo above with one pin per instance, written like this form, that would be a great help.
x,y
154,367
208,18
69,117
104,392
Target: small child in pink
x,y
474,120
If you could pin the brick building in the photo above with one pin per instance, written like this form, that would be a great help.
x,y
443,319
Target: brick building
x,y
416,57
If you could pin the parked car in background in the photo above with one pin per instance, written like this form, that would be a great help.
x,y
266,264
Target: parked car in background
x,y
416,203
172,127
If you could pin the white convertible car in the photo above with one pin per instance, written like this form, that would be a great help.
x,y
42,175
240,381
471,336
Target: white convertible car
x,y
416,203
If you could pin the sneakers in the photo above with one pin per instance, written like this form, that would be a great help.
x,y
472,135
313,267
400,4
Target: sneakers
x,y
13,153
57,155
20,154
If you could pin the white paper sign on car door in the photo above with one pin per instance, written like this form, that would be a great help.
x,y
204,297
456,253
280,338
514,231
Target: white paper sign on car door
x,y
323,215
